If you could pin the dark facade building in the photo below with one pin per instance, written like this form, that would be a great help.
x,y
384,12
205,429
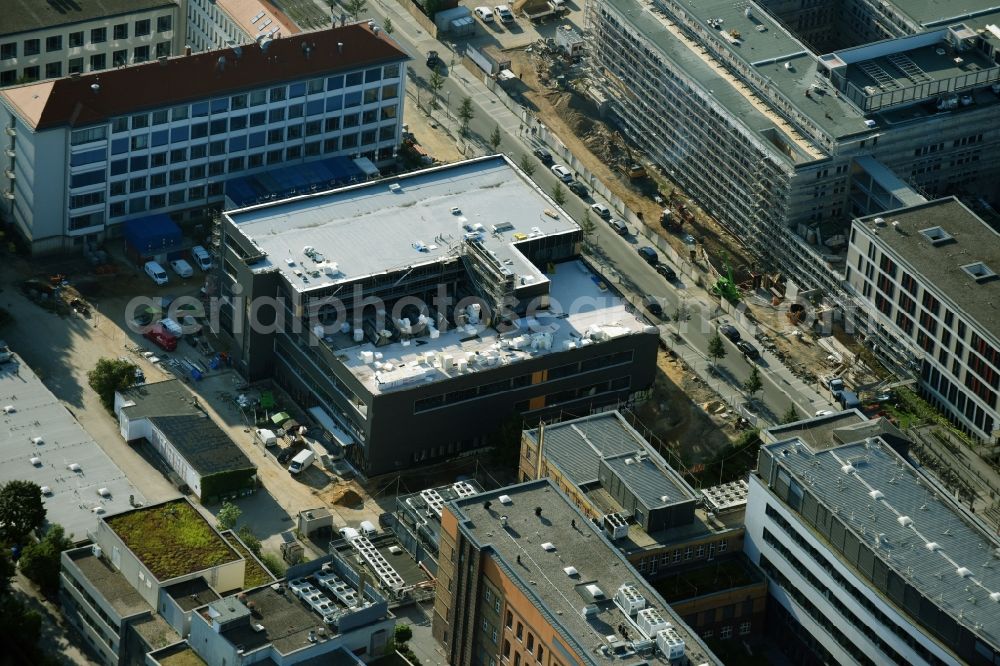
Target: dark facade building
x,y
423,313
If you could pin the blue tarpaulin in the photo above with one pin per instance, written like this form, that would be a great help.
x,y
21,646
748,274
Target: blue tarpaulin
x,y
153,234
292,180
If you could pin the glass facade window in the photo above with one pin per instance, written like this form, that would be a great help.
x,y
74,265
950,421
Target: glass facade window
x,y
179,113
354,79
238,102
88,135
296,90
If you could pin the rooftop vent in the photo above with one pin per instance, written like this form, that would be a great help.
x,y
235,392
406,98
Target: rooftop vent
x,y
933,546
73,467
979,271
98,510
104,492
36,461
9,409
879,221
46,490
905,521
395,187
37,440
995,596
936,235
963,572
505,500
594,591
870,124
549,547
876,495
571,571
847,469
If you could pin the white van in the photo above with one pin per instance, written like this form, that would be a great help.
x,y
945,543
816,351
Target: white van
x,y
155,272
302,459
201,257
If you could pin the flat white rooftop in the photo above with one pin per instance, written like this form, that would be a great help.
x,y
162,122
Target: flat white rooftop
x,y
39,442
582,311
401,223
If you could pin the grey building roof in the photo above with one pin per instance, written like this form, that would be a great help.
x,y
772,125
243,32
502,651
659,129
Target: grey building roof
x,y
413,220
916,530
35,412
203,444
191,594
29,15
167,398
819,432
653,485
109,582
941,263
540,574
173,410
577,448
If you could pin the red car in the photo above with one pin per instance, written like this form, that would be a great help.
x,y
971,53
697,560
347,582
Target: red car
x,y
162,337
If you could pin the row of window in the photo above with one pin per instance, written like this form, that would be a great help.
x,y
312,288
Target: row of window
x,y
726,631
662,560
98,62
522,381
33,46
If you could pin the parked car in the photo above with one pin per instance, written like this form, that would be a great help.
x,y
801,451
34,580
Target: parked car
x,y
433,60
666,271
565,175
579,189
601,210
503,13
156,273
182,268
284,455
748,349
161,337
484,14
201,257
730,332
824,412
653,307
618,226
649,254
543,155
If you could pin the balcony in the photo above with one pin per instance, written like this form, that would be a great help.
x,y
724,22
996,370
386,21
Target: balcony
x,y
9,174
10,131
10,152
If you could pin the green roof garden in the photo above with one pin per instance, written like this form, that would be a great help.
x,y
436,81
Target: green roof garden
x,y
172,539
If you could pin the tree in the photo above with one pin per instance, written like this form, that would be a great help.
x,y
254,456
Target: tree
x,y
21,511
436,83
791,415
753,383
274,564
247,536
228,515
466,113
110,375
588,225
716,349
559,194
402,634
40,561
495,138
527,166
355,7
388,27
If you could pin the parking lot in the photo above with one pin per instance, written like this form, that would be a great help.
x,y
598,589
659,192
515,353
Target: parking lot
x,y
521,32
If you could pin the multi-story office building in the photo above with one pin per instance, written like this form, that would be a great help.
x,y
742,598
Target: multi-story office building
x,y
216,24
868,560
724,98
666,529
923,278
423,313
524,577
44,40
158,574
83,154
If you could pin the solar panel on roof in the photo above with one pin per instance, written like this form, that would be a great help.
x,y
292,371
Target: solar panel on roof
x,y
258,17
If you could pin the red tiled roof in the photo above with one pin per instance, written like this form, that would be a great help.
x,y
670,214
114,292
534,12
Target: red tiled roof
x,y
158,84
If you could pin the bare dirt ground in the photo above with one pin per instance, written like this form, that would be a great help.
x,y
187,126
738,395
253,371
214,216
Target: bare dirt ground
x,y
429,135
685,414
576,120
